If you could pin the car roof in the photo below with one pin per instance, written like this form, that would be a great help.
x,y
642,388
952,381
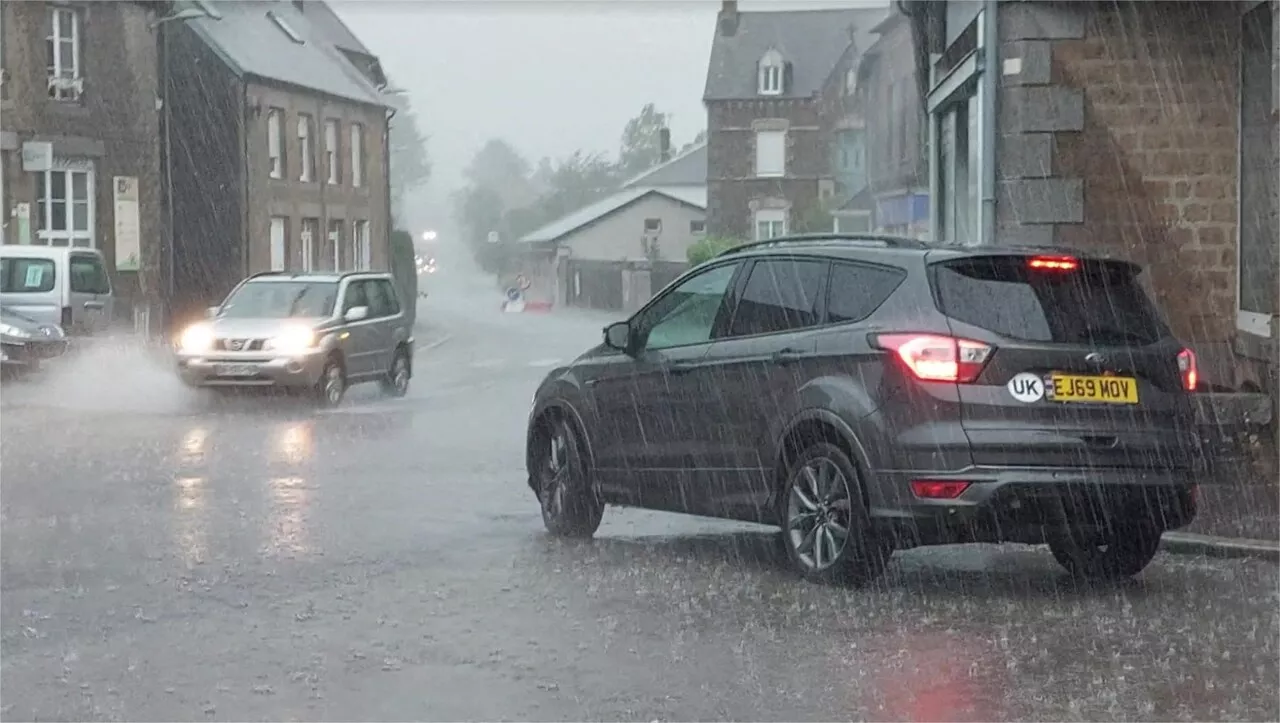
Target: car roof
x,y
37,251
317,276
869,246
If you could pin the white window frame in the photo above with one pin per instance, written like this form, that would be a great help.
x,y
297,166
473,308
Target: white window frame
x,y
307,170
334,234
701,227
766,141
772,68
278,246
963,84
849,217
1254,323
64,83
361,249
356,133
308,231
775,220
70,236
333,169
275,143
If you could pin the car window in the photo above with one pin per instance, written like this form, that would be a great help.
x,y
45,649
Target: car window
x,y
687,313
281,300
88,275
780,295
856,291
356,296
389,294
1097,302
26,275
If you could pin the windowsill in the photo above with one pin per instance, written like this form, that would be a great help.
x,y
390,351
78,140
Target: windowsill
x,y
68,107
771,175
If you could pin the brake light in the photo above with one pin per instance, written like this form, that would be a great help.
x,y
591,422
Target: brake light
x,y
927,489
1054,263
935,358
1188,369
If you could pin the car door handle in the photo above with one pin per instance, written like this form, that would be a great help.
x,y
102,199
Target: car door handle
x,y
94,305
681,368
786,356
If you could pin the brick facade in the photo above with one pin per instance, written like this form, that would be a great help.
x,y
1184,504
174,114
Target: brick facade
x,y
114,125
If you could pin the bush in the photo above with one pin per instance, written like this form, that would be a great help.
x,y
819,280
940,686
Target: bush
x,y
710,247
405,270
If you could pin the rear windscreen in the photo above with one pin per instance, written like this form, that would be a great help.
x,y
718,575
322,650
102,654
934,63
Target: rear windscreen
x,y
1098,303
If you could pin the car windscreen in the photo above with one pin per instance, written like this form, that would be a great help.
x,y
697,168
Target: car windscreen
x,y
281,300
26,275
1079,302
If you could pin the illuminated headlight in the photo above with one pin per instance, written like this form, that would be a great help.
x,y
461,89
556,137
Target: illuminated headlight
x,y
197,338
292,341
11,330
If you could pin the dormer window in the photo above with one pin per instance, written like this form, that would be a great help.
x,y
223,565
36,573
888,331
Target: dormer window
x,y
772,73
850,81
285,27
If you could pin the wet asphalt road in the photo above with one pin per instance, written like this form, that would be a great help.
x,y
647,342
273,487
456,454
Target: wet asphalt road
x,y
165,559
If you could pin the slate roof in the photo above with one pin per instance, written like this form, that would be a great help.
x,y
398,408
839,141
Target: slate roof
x,y
566,225
686,169
251,43
811,40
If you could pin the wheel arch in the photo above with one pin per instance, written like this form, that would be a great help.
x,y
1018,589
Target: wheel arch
x,y
812,425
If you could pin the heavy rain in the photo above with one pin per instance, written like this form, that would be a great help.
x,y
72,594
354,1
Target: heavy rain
x,y
639,360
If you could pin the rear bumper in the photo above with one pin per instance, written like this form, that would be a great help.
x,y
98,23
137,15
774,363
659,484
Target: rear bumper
x,y
1007,504
289,372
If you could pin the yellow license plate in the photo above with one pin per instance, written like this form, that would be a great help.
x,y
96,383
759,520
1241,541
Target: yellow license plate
x,y
1098,390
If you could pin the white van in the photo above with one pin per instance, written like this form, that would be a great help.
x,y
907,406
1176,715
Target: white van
x,y
57,285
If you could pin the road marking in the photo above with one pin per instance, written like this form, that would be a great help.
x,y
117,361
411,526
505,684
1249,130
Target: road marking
x,y
487,364
544,363
432,345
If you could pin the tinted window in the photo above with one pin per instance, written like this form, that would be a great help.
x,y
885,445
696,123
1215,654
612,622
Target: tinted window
x,y
1101,302
88,276
26,276
687,313
857,291
356,296
281,300
382,299
780,295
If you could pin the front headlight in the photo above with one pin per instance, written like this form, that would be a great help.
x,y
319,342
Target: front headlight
x,y
293,341
197,338
11,330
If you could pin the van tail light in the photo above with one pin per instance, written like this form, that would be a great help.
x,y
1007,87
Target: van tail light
x,y
1054,263
1188,369
66,317
935,358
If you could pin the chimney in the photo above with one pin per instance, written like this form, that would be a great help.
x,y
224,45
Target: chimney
x,y
664,145
297,4
728,21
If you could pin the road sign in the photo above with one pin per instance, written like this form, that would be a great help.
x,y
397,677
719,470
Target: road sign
x,y
514,294
523,282
493,237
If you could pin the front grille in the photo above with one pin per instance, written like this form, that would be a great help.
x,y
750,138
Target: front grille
x,y
240,344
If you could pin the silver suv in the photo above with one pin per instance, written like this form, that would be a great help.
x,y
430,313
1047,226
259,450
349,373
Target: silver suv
x,y
317,333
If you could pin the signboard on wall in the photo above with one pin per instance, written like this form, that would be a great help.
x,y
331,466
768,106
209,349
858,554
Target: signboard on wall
x,y
128,227
37,156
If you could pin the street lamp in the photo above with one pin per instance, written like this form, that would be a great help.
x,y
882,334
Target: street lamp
x,y
180,16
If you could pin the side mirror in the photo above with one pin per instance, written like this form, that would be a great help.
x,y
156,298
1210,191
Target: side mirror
x,y
211,312
356,313
618,336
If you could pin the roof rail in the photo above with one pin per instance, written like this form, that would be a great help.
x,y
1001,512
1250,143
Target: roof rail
x,y
884,240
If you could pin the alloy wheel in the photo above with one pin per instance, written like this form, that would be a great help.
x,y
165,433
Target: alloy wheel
x,y
400,375
819,514
556,475
333,384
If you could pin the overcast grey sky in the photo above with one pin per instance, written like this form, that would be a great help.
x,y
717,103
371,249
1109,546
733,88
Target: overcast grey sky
x,y
549,76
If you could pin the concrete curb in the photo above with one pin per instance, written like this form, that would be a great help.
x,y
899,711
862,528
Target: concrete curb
x,y
1188,543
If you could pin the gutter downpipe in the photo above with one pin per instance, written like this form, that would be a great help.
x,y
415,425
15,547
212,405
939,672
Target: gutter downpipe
x,y
246,232
990,107
386,180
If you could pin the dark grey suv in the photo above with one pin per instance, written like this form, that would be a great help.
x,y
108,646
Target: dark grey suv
x,y
868,394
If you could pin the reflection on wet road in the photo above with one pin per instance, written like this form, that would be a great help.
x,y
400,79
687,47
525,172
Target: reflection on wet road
x,y
386,561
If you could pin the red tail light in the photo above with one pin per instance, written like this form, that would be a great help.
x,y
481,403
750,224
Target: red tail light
x,y
1187,367
937,490
935,358
1054,263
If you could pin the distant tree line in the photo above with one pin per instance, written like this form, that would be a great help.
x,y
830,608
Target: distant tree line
x,y
506,195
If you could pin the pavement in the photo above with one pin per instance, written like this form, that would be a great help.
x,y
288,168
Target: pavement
x,y
163,558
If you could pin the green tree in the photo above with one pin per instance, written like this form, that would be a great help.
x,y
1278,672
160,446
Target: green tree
x,y
405,270
407,149
709,248
575,182
641,142
699,139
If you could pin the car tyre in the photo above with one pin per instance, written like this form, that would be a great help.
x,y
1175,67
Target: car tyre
x,y
1120,552
570,505
397,382
332,384
826,529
